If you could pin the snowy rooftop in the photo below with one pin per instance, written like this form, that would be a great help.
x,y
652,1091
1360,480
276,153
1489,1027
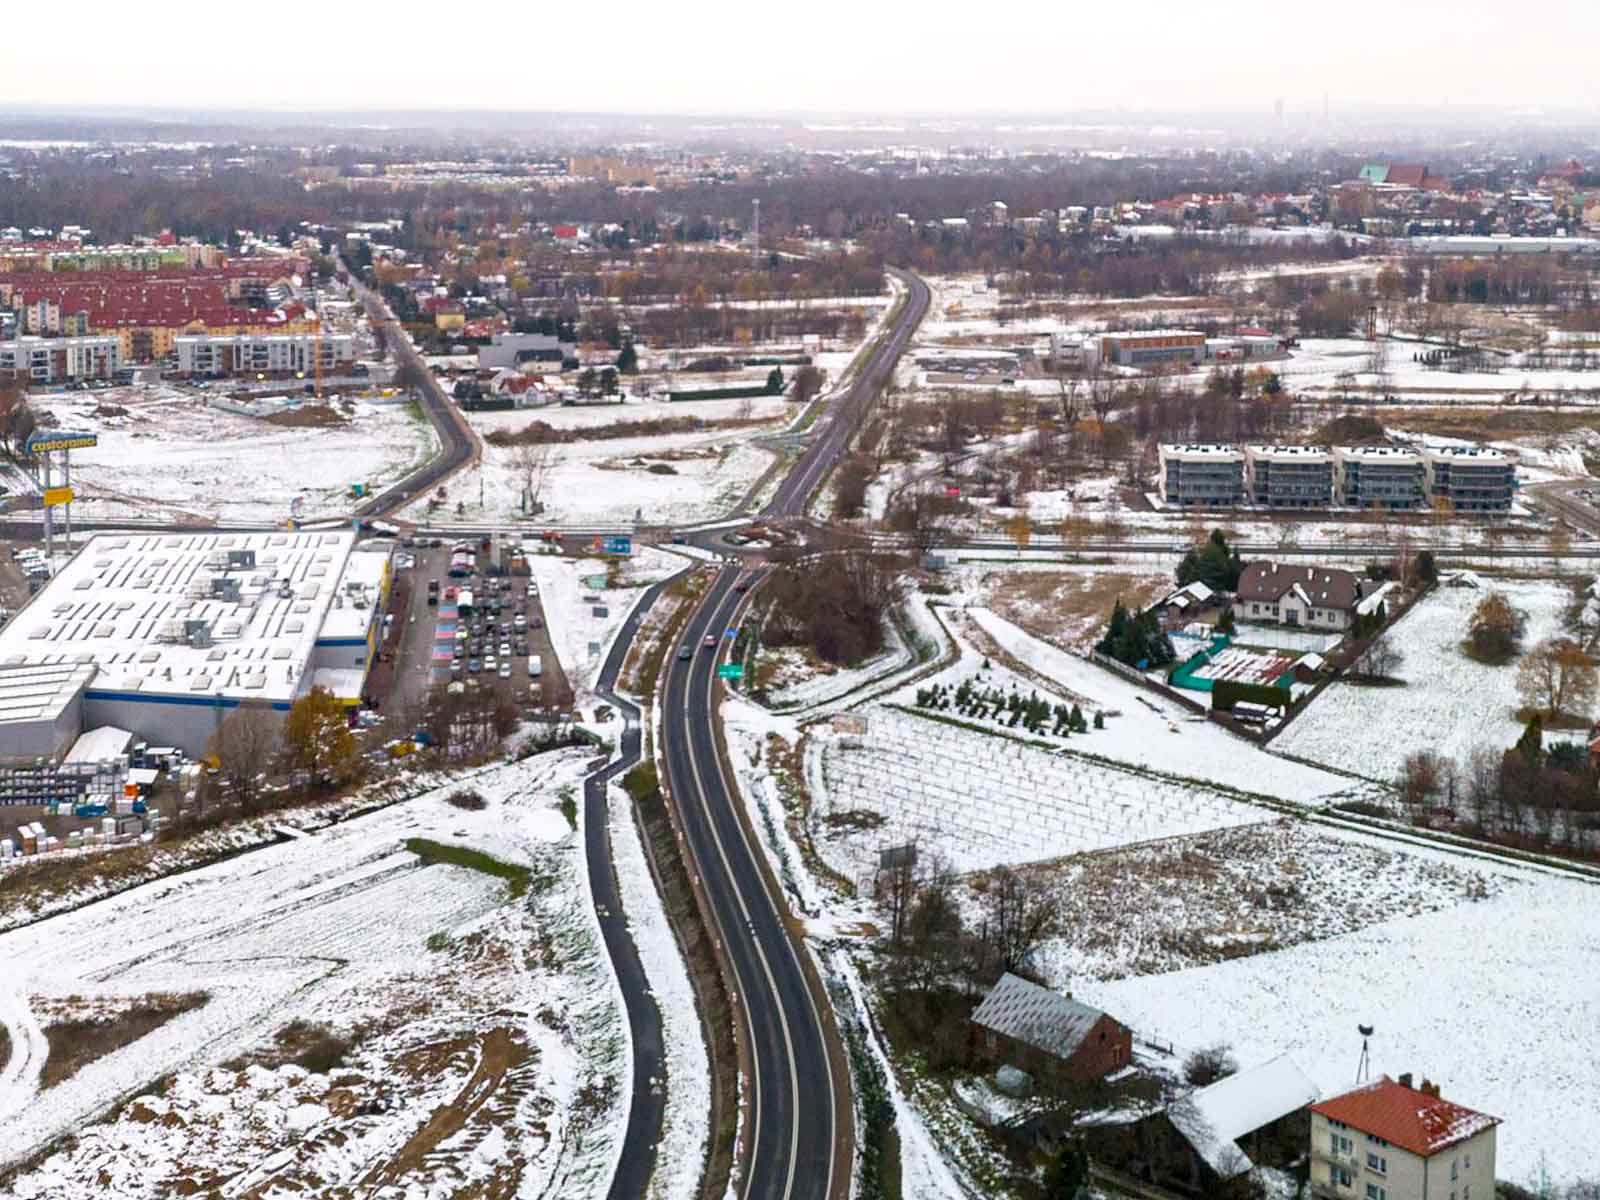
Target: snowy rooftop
x,y
101,744
1035,1016
1134,335
1196,451
41,692
356,595
1386,454
1415,1119
1299,453
1215,1117
193,615
1480,454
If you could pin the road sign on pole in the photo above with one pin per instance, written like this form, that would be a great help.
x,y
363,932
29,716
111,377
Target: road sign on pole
x,y
730,671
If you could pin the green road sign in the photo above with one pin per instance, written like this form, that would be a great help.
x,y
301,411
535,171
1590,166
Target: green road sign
x,y
730,671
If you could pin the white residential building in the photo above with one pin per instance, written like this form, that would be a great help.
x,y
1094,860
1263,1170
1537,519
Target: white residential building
x,y
262,354
1201,475
1289,476
1390,1141
51,360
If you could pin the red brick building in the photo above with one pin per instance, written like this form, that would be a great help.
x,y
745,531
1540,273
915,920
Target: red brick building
x,y
1053,1037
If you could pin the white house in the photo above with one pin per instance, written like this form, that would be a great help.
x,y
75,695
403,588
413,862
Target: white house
x,y
1390,1141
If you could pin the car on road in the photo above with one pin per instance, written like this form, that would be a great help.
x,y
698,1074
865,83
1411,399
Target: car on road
x,y
711,642
742,586
685,653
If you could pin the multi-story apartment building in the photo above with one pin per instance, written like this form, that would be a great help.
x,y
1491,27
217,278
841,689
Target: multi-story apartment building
x,y
1390,1141
1471,478
1197,475
1289,476
51,360
272,354
1380,477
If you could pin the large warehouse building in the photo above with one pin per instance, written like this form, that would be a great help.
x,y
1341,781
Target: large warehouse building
x,y
165,634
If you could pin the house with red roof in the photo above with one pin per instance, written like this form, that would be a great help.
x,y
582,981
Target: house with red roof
x,y
1388,1140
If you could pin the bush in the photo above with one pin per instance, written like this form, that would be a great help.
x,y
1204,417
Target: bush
x,y
1209,1064
466,799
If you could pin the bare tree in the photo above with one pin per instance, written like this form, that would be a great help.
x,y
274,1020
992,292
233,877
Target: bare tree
x,y
1380,660
1019,912
244,746
532,463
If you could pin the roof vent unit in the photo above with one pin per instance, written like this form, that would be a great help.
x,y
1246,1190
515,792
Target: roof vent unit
x,y
197,632
241,560
225,587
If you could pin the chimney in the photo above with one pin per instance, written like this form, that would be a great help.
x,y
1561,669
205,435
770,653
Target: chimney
x,y
1405,1079
1430,1089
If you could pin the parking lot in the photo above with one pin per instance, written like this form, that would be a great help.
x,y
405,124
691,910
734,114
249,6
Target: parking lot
x,y
492,644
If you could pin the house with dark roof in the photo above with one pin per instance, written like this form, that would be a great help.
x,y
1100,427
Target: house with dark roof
x,y
1056,1039
1255,1117
1388,1140
1315,597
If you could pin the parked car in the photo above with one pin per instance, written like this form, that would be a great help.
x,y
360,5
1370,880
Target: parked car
x,y
505,670
489,663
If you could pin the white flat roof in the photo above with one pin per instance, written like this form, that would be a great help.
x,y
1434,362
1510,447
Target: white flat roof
x,y
101,744
35,692
356,594
1394,454
1313,452
1482,454
1200,450
1153,333
133,605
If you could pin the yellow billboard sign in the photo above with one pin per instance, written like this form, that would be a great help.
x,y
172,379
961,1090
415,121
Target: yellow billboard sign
x,y
57,495
45,443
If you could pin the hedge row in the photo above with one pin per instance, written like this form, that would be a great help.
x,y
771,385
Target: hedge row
x,y
1225,693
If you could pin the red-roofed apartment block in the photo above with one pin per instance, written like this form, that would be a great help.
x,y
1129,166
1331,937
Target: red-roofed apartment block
x,y
1390,1141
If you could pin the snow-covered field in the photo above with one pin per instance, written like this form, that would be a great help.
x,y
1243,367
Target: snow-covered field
x,y
1318,365
669,479
1495,1001
174,454
980,800
581,638
680,1154
1450,703
497,1049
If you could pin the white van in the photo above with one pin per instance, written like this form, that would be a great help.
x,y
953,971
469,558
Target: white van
x,y
535,666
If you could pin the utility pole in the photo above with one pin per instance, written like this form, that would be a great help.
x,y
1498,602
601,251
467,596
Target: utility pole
x,y
755,235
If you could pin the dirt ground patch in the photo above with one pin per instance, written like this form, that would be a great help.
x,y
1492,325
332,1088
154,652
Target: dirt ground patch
x,y
1068,608
77,1041
1488,423
499,1052
308,416
5,1047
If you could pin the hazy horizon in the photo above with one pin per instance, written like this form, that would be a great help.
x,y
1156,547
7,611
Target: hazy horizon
x,y
1030,59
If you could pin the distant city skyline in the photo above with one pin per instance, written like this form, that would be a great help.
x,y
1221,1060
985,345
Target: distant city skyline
x,y
830,57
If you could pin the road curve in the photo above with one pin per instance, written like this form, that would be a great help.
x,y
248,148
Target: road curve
x,y
791,1093
458,445
797,1108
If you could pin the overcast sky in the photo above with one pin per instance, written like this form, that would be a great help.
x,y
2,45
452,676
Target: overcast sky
x,y
714,56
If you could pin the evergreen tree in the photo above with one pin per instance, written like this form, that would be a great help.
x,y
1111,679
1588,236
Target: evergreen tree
x,y
1530,746
628,360
1067,1175
775,380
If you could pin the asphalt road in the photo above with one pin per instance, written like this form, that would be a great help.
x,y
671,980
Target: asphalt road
x,y
834,429
457,443
647,1102
791,1091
